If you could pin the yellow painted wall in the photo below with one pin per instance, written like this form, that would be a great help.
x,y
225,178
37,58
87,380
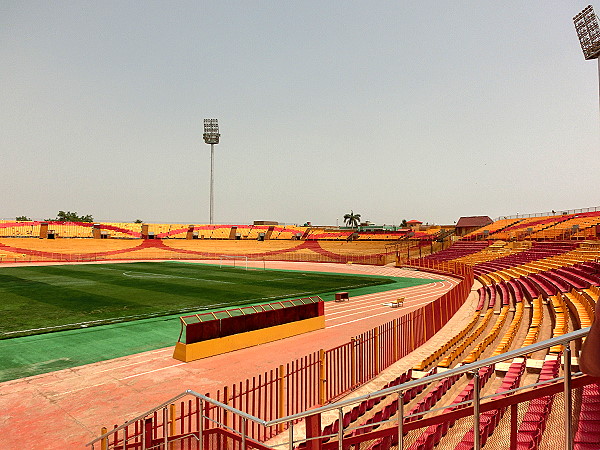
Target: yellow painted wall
x,y
191,352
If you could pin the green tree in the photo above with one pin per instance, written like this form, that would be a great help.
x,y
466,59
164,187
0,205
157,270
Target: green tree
x,y
69,216
23,219
352,220
138,221
403,224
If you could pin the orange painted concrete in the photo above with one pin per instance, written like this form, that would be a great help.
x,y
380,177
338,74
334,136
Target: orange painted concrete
x,y
212,347
67,408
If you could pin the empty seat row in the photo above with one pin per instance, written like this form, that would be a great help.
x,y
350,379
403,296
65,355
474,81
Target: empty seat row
x,y
561,320
510,334
426,362
536,322
489,338
462,346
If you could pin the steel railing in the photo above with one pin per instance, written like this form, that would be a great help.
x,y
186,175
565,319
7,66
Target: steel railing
x,y
562,212
338,407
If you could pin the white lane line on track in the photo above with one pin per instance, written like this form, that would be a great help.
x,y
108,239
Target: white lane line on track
x,y
160,350
79,389
119,379
373,300
375,315
126,365
151,371
380,307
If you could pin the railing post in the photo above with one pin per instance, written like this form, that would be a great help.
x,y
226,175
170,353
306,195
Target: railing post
x,y
313,432
322,380
395,341
244,427
341,429
376,348
353,363
401,420
280,409
201,424
172,424
291,436
568,397
513,426
103,441
165,428
147,436
424,327
476,402
412,334
226,402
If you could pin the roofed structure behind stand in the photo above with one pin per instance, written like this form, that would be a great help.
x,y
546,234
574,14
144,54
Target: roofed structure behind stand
x,y
466,225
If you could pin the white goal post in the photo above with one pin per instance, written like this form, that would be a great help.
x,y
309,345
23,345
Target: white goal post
x,y
240,261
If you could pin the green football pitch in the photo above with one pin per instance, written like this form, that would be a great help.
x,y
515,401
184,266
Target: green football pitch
x,y
46,298
104,311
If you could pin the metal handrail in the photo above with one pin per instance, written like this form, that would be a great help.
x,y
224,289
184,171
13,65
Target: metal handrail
x,y
562,212
173,399
574,335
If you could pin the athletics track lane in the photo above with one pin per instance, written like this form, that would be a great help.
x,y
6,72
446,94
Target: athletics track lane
x,y
67,408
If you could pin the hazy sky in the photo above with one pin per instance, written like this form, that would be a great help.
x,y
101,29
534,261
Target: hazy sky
x,y
394,109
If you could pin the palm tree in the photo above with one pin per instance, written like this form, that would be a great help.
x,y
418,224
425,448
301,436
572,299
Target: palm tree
x,y
352,220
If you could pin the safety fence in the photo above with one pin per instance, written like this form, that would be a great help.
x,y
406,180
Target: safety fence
x,y
550,213
555,233
315,379
174,255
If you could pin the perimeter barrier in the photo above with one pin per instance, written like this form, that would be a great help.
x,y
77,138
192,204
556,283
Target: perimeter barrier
x,y
134,254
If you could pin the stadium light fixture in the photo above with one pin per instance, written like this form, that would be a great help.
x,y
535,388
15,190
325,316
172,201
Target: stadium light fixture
x,y
211,136
588,32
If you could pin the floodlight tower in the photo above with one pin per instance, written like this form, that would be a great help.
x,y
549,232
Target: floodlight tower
x,y
211,136
588,31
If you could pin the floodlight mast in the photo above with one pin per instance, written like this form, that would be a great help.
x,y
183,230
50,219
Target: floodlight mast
x,y
211,136
588,32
